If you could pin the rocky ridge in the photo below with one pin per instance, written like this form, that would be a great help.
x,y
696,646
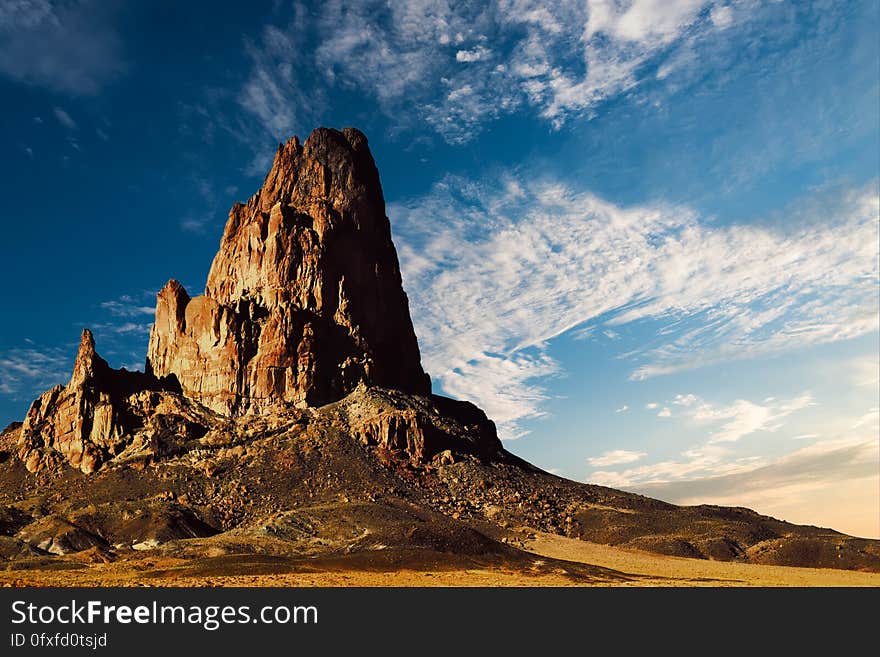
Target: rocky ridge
x,y
91,419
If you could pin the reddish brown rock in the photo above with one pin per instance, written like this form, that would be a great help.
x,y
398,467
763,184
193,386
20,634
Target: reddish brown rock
x,y
304,299
303,305
87,421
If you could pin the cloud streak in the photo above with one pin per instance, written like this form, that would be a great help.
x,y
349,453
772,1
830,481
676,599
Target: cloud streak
x,y
615,457
496,269
714,457
744,417
816,484
431,61
64,118
27,372
127,306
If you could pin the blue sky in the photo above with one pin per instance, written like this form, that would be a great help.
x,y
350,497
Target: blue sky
x,y
642,235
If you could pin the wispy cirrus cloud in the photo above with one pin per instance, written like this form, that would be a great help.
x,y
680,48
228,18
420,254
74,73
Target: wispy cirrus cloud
x,y
615,457
273,92
120,325
64,118
725,424
69,47
496,269
127,306
459,65
122,328
26,372
744,417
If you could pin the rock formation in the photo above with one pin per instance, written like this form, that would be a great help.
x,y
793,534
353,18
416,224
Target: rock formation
x,y
285,414
90,419
304,299
304,303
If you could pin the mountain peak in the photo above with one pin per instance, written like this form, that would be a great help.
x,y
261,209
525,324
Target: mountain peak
x,y
304,298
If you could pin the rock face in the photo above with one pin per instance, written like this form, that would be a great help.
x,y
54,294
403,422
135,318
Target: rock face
x,y
420,427
304,305
87,421
304,299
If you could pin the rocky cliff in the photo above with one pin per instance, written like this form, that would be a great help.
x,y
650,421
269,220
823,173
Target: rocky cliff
x,y
304,304
304,299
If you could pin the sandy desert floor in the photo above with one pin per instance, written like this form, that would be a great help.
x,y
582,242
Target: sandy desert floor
x,y
660,570
625,568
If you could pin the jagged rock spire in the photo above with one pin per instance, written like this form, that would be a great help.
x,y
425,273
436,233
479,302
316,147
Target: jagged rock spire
x,y
304,299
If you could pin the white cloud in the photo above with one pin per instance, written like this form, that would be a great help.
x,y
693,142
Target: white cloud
x,y
642,21
583,333
126,319
27,372
615,457
685,400
744,417
651,406
503,386
622,409
196,223
64,118
474,55
69,47
721,17
715,456
697,461
617,40
273,92
126,306
869,419
496,269
561,59
123,329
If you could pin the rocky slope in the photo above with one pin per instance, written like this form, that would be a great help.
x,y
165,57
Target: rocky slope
x,y
285,413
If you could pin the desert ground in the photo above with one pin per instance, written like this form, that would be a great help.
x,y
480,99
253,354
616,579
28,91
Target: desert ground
x,y
556,563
